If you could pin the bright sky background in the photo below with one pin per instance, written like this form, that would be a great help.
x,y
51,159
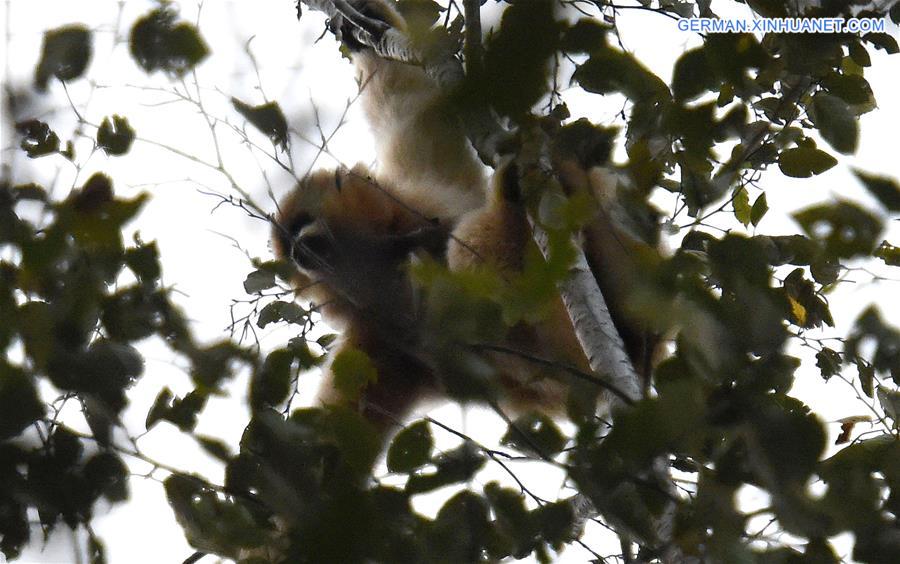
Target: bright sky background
x,y
197,238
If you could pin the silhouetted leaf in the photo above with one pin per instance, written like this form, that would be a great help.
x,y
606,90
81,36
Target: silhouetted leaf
x,y
886,189
411,448
271,383
535,433
277,311
517,56
880,342
888,253
20,405
39,140
513,518
829,362
143,260
452,467
461,528
160,42
259,280
115,137
107,475
585,36
96,550
65,54
692,75
883,41
267,118
215,447
610,71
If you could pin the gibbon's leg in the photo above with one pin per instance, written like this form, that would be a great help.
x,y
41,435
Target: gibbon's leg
x,y
351,243
422,150
614,249
499,234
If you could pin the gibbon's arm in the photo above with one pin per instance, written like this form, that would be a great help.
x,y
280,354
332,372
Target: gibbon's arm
x,y
351,243
499,234
422,150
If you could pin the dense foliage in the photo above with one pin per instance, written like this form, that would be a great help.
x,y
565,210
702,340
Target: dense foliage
x,y
77,301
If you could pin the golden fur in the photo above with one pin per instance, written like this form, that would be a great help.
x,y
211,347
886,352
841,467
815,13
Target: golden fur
x,y
429,182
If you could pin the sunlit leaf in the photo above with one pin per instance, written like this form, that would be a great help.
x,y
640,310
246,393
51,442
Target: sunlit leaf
x,y
803,162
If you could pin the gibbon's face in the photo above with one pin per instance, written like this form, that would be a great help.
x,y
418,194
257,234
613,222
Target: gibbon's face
x,y
350,243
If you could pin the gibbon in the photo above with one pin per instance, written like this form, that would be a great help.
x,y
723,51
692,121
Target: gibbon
x,y
350,241
352,233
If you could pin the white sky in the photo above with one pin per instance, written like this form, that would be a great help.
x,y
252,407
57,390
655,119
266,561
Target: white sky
x,y
311,83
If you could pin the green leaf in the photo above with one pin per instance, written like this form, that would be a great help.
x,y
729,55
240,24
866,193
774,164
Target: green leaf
x,y
890,403
420,14
836,122
462,528
215,447
160,42
513,519
277,311
130,314
741,203
259,280
888,253
853,89
143,260
411,448
182,412
214,524
454,467
271,383
517,57
535,433
883,41
353,371
585,36
65,54
39,140
611,71
803,162
789,439
846,228
886,189
115,137
20,405
107,475
557,523
96,550
267,118
829,362
692,75
759,209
